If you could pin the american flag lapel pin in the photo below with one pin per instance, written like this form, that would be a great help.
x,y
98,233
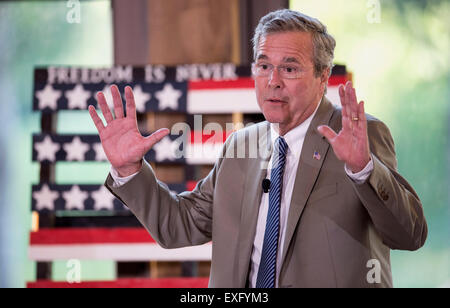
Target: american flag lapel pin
x,y
316,155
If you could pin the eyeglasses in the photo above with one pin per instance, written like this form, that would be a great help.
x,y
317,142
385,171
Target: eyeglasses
x,y
286,71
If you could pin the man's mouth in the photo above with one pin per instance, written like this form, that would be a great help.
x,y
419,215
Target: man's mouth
x,y
276,101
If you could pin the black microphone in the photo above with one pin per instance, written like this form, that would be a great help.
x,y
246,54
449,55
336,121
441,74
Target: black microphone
x,y
266,185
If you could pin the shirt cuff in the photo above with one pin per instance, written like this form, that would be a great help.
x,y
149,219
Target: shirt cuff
x,y
363,175
119,181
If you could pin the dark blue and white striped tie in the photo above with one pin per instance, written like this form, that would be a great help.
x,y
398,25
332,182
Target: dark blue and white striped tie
x,y
268,264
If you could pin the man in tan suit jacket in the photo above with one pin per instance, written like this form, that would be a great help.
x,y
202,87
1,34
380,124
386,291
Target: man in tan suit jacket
x,y
337,228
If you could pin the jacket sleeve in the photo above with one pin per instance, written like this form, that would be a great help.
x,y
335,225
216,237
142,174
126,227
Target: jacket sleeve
x,y
173,220
393,205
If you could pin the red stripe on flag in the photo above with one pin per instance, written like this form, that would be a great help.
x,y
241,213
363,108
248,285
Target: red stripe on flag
x,y
190,185
61,236
247,83
240,83
336,80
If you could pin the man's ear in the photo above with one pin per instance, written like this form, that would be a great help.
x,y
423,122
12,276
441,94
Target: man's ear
x,y
324,77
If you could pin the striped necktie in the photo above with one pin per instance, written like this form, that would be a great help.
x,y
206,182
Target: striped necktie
x,y
267,266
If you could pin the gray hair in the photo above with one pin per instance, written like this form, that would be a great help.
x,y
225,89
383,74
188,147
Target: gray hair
x,y
286,20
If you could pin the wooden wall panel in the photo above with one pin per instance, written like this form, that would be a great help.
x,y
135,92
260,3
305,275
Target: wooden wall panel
x,y
191,31
130,32
187,31
251,12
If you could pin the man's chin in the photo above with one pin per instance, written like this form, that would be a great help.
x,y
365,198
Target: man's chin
x,y
274,119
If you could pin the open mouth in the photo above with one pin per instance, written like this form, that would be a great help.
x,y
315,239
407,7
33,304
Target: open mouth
x,y
276,101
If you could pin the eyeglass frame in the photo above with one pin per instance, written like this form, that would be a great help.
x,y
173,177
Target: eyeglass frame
x,y
279,67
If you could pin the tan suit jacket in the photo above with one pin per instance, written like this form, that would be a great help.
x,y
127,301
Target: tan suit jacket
x,y
334,226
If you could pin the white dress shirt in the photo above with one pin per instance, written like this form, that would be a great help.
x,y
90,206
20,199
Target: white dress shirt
x,y
295,139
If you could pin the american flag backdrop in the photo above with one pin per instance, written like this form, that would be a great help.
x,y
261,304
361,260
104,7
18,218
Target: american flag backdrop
x,y
87,221
194,89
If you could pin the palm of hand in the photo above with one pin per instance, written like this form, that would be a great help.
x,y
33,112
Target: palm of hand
x,y
351,148
351,144
122,142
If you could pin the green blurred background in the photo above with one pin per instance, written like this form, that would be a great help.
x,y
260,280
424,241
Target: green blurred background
x,y
400,63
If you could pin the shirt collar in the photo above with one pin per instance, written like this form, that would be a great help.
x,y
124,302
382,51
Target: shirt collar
x,y
294,138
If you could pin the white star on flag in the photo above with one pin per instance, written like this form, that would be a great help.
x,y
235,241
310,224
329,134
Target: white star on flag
x,y
48,97
168,97
46,149
78,97
75,198
76,149
103,199
99,153
140,98
165,149
45,198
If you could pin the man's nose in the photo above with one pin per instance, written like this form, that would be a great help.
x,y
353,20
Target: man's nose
x,y
275,80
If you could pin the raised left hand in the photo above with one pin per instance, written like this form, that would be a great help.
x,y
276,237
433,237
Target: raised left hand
x,y
351,144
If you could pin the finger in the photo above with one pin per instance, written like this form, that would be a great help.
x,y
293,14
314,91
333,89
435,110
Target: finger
x,y
342,98
327,132
345,111
97,121
101,100
362,116
348,101
348,107
351,100
131,105
346,122
354,100
154,138
117,99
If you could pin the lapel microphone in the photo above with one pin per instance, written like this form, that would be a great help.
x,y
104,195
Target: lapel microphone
x,y
266,185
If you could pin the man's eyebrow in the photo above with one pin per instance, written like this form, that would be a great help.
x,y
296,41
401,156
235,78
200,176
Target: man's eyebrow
x,y
263,57
291,60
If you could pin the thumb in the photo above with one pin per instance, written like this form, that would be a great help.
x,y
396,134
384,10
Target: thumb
x,y
327,132
154,138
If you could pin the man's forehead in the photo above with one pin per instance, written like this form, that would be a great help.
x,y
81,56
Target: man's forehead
x,y
285,46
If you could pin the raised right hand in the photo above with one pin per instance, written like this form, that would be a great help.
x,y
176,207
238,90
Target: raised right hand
x,y
122,142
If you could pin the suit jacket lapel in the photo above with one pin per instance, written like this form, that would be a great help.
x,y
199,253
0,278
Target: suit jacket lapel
x,y
308,169
250,204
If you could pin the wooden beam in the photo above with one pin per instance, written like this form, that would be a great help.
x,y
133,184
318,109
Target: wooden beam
x,y
238,120
235,32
